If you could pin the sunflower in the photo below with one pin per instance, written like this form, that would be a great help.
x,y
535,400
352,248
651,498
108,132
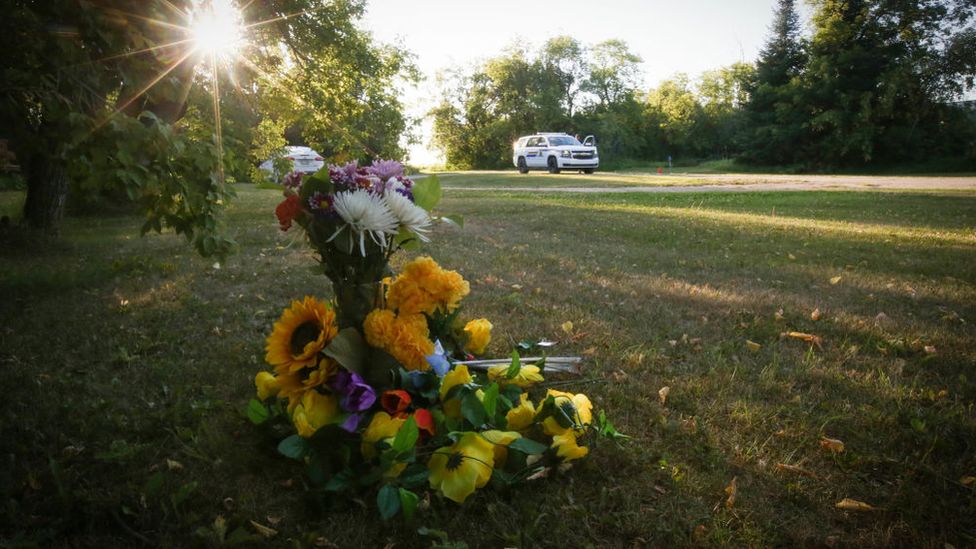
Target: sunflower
x,y
294,385
304,329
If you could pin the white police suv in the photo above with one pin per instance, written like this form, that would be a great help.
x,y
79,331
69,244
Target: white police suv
x,y
555,152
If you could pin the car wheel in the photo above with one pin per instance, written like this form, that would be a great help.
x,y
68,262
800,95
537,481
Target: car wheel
x,y
522,166
587,170
553,165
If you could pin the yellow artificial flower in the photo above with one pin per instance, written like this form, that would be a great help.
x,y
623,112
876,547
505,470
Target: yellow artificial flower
x,y
458,376
294,385
424,287
500,440
457,470
527,376
315,411
566,447
522,416
381,427
576,407
267,385
479,335
405,337
303,331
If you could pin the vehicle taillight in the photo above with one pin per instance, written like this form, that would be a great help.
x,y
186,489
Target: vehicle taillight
x,y
319,159
292,157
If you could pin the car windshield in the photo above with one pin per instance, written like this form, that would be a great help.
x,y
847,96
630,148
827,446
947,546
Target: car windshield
x,y
561,140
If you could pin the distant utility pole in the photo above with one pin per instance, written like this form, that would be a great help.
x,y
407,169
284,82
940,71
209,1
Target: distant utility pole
x,y
669,164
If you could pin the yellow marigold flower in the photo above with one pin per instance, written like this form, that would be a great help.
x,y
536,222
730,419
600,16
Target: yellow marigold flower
x,y
405,337
566,447
304,329
379,327
521,417
457,470
424,287
576,407
500,440
267,385
315,411
294,385
381,427
479,335
527,376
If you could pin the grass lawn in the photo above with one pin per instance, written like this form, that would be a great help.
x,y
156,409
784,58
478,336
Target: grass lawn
x,y
127,363
569,179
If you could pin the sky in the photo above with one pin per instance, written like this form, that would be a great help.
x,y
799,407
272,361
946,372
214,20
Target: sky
x,y
689,36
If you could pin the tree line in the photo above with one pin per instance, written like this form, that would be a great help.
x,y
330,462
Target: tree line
x,y
872,86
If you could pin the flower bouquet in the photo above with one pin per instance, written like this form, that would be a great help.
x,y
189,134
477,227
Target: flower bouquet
x,y
371,391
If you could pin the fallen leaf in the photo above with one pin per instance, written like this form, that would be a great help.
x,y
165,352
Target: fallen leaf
x,y
791,256
967,480
780,433
663,394
929,349
753,346
849,504
832,444
732,490
619,375
778,315
794,469
660,489
567,326
815,315
589,351
264,530
174,465
699,531
835,280
809,338
273,521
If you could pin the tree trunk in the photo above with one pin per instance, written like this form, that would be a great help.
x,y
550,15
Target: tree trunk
x,y
47,192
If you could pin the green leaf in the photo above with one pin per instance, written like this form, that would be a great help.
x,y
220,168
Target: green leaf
x,y
407,240
516,366
318,182
348,349
294,447
414,475
528,446
340,481
407,436
408,501
490,400
388,501
473,410
257,412
427,192
606,429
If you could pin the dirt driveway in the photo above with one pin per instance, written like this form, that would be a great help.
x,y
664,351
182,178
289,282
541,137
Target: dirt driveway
x,y
762,182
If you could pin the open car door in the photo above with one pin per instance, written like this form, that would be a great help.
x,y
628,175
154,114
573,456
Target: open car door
x,y
590,141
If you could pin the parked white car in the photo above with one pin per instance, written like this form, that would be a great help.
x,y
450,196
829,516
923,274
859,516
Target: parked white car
x,y
303,159
555,152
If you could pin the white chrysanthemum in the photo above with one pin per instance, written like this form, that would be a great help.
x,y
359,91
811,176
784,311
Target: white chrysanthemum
x,y
365,213
410,215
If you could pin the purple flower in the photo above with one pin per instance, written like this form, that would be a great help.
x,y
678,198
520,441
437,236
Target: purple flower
x,y
385,169
351,422
356,395
293,180
351,169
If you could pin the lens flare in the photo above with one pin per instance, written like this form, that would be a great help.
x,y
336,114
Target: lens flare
x,y
217,29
